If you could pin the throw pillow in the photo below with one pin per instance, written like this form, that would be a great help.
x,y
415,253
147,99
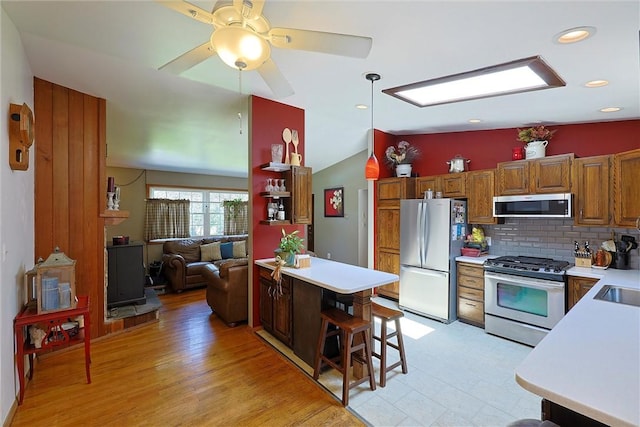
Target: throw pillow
x,y
240,249
226,250
210,252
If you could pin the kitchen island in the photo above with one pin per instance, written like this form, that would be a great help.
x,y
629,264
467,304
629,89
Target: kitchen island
x,y
590,362
294,317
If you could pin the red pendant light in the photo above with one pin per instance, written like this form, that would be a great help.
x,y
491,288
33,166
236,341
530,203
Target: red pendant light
x,y
372,168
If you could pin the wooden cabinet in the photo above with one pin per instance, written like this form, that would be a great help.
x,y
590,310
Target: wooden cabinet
x,y
471,293
425,183
578,287
275,308
125,275
454,185
626,196
480,192
552,174
513,177
591,190
545,175
299,181
451,185
389,192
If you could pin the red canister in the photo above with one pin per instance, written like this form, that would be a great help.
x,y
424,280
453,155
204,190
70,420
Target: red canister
x,y
517,153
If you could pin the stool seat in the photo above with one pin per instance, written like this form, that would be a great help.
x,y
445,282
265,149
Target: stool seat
x,y
386,314
347,327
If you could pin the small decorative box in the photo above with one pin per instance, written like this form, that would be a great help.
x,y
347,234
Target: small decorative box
x,y
303,260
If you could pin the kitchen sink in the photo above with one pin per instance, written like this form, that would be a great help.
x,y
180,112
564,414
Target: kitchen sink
x,y
613,293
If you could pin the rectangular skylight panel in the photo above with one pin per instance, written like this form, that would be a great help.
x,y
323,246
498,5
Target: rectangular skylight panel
x,y
512,77
501,82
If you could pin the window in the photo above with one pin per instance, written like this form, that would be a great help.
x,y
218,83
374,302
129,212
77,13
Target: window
x,y
206,208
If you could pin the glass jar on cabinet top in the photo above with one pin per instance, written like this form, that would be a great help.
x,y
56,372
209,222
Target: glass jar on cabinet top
x,y
51,284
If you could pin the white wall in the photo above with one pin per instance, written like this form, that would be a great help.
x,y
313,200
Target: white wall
x,y
16,207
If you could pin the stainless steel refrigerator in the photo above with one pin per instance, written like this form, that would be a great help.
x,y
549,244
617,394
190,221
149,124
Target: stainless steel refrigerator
x,y
432,232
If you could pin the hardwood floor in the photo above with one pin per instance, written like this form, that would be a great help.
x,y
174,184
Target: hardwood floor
x,y
187,369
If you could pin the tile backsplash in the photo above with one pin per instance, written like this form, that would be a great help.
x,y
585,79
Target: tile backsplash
x,y
552,238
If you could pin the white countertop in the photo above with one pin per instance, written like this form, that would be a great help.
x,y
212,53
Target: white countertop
x,y
335,276
475,259
590,361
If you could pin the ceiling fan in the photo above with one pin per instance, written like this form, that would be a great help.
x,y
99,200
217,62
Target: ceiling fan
x,y
242,38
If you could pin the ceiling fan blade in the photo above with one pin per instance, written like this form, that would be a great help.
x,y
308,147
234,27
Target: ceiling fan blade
x,y
189,59
274,79
188,9
249,9
317,41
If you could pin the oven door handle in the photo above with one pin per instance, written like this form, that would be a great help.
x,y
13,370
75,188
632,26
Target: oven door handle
x,y
526,281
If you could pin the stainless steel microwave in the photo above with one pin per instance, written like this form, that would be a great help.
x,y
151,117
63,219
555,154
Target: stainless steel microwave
x,y
534,206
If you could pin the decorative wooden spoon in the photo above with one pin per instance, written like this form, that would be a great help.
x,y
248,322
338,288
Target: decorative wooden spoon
x,y
286,136
295,140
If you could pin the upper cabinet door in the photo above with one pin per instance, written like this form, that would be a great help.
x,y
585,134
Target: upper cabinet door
x,y
480,190
513,177
626,196
551,174
591,190
299,180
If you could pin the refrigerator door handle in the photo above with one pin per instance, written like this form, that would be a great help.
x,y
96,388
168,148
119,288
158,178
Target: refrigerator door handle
x,y
425,232
420,236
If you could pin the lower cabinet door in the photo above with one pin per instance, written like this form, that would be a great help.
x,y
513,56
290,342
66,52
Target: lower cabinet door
x,y
471,311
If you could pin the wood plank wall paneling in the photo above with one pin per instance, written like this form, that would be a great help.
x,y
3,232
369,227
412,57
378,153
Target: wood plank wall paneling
x,y
70,168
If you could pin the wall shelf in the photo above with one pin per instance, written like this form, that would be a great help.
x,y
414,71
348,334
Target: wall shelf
x,y
275,167
275,194
275,222
112,217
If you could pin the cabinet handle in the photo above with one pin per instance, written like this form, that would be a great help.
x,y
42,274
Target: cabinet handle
x,y
580,213
468,303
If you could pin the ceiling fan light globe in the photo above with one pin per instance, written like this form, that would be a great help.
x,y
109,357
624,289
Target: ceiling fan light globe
x,y
240,45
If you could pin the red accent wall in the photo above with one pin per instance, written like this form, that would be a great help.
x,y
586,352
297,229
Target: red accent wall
x,y
489,147
268,119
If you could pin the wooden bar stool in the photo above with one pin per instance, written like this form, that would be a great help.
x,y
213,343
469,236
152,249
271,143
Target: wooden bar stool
x,y
347,328
386,314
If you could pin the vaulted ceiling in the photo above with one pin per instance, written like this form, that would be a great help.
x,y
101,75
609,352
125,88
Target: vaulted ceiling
x,y
190,122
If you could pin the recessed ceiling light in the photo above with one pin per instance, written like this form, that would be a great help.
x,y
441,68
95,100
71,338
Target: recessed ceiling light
x,y
596,83
574,35
474,120
361,107
518,76
610,109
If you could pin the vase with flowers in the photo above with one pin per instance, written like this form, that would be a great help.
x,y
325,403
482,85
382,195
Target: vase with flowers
x,y
401,157
537,138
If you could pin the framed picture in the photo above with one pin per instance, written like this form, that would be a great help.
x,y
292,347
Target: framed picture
x,y
334,202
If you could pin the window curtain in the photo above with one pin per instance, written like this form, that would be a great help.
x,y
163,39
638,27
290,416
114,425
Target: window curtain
x,y
166,219
236,217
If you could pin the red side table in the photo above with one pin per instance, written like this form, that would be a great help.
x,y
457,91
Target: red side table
x,y
55,335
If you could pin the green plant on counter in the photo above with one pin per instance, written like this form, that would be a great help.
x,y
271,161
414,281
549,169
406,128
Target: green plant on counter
x,y
291,242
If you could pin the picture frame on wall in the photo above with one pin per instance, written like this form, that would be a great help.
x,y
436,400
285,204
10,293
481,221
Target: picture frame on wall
x,y
334,202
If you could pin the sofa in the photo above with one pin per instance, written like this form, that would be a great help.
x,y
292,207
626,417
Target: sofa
x,y
228,291
183,260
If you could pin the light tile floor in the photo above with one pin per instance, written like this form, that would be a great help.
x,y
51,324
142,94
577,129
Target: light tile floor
x,y
458,376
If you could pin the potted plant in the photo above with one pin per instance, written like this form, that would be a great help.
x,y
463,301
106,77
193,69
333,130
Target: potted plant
x,y
400,157
536,133
537,138
290,245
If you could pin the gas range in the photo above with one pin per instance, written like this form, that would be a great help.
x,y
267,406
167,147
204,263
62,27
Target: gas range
x,y
541,268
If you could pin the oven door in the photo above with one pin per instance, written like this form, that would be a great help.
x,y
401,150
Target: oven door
x,y
528,300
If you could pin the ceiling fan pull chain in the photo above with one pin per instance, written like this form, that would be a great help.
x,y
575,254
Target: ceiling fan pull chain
x,y
240,91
